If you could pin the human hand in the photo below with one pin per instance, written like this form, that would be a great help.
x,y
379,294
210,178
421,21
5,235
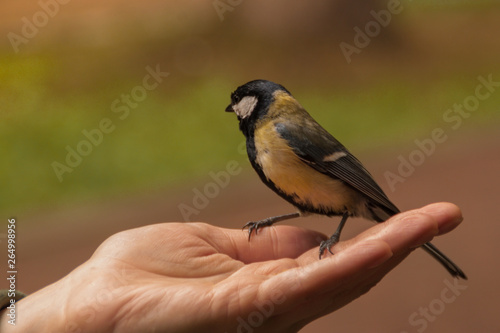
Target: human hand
x,y
194,277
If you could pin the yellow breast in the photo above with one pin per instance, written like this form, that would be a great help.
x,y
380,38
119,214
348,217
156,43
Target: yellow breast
x,y
295,178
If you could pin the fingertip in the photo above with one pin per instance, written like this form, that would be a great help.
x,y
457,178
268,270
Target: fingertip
x,y
447,215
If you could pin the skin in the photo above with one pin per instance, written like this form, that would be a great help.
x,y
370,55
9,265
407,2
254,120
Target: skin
x,y
194,277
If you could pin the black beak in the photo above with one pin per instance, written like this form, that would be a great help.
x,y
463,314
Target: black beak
x,y
229,108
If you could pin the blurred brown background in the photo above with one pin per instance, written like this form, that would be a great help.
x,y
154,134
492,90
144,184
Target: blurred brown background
x,y
63,66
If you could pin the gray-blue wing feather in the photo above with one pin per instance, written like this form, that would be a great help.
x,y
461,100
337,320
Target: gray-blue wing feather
x,y
313,144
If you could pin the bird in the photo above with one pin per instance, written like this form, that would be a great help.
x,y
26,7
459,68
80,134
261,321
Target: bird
x,y
305,165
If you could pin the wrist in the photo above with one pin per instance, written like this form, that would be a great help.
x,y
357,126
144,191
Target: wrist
x,y
33,313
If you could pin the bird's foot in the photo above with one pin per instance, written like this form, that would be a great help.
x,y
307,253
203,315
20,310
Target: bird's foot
x,y
326,245
255,226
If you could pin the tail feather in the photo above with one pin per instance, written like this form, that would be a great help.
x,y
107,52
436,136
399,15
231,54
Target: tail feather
x,y
450,266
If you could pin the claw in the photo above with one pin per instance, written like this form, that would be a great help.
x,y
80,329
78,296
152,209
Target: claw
x,y
327,245
267,222
251,227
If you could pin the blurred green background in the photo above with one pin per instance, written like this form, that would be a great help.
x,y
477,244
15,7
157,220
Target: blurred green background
x,y
82,56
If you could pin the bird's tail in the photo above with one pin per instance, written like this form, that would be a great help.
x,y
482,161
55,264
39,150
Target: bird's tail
x,y
450,266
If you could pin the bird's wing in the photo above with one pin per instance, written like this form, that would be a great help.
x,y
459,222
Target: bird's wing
x,y
319,149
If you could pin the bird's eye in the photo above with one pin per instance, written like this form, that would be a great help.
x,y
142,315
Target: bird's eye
x,y
235,98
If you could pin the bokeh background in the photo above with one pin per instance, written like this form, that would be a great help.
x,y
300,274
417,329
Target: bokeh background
x,y
65,67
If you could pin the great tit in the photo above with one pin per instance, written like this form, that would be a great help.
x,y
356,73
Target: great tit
x,y
305,165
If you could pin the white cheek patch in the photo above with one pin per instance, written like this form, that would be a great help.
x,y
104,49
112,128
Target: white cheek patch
x,y
245,107
335,156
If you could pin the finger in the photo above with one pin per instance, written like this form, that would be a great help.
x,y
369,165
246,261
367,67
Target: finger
x,y
318,287
314,282
447,215
357,265
287,241
370,249
270,243
317,305
413,228
315,275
